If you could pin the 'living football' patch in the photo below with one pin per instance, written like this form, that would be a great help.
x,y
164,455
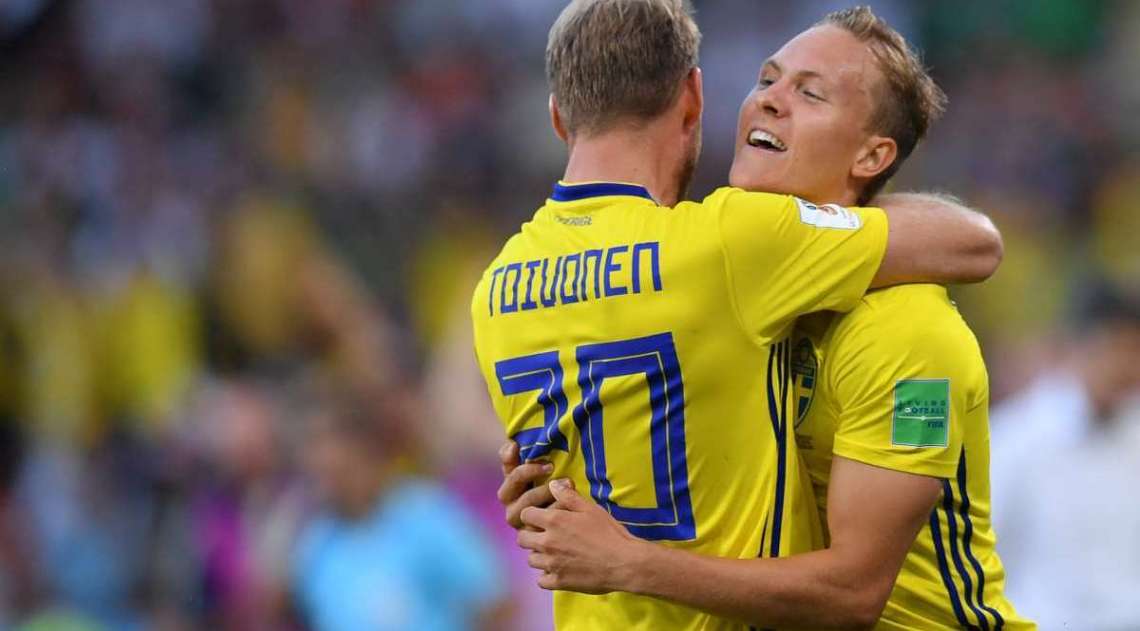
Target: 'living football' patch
x,y
922,413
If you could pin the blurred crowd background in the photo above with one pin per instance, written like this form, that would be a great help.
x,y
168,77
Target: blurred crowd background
x,y
238,239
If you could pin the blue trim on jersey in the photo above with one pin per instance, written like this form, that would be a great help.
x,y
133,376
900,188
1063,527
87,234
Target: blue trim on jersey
x,y
577,192
778,356
781,356
967,536
952,532
763,537
944,570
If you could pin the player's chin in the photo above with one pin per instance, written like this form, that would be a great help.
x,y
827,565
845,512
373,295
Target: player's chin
x,y
751,176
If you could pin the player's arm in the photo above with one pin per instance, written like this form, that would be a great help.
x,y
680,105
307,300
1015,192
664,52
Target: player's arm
x,y
886,477
785,257
935,238
874,516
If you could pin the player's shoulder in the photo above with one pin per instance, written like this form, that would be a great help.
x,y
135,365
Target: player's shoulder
x,y
757,210
479,295
928,297
514,248
733,198
906,320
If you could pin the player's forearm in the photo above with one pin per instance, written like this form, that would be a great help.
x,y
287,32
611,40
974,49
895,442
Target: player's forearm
x,y
935,238
817,590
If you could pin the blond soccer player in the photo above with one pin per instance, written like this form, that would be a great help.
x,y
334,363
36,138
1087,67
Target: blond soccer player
x,y
888,401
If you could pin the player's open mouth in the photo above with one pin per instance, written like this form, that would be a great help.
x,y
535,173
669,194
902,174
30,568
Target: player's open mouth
x,y
766,140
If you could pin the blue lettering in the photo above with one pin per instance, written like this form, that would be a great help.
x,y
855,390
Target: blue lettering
x,y
572,297
597,256
514,306
569,286
611,267
491,293
654,265
529,303
552,299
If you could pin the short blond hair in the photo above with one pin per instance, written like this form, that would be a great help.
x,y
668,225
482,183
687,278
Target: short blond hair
x,y
613,60
910,101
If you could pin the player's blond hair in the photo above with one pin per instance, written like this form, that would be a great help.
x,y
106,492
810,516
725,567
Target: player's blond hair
x,y
909,102
619,60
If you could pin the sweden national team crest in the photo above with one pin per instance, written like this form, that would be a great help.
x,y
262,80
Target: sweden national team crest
x,y
805,371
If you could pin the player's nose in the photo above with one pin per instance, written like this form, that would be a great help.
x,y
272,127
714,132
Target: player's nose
x,y
772,100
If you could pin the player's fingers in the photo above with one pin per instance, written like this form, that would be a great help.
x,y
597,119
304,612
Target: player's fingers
x,y
539,496
509,456
538,561
566,498
540,518
549,581
521,478
531,540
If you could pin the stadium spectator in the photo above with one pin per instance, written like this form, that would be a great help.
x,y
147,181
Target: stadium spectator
x,y
389,551
137,136
1066,451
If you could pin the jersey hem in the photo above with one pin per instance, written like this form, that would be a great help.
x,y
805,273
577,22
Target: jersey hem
x,y
943,469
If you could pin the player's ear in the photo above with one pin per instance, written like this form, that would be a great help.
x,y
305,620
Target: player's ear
x,y
556,121
874,157
694,97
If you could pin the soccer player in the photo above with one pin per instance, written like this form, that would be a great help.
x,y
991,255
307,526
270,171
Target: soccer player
x,y
641,344
889,402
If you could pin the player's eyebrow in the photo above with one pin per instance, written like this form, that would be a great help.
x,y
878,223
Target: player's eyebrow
x,y
809,74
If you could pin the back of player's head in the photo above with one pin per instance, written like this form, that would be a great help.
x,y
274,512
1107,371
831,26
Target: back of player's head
x,y
619,60
908,102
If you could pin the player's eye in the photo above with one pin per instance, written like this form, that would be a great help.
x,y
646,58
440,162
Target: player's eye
x,y
812,95
764,82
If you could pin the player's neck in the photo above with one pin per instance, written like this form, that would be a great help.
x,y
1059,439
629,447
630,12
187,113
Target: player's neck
x,y
846,195
632,156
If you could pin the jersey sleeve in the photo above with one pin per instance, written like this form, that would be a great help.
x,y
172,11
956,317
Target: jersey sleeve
x,y
903,387
786,257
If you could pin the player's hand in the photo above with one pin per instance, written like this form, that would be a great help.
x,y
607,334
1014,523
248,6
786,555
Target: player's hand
x,y
577,544
516,493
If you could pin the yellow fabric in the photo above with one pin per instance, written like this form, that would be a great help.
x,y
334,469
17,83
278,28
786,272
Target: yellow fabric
x,y
149,349
857,361
676,298
60,373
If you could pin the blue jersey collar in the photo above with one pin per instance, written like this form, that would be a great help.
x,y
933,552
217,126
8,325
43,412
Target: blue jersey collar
x,y
576,192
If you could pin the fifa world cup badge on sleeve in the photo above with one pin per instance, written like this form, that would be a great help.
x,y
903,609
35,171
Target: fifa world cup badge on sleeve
x,y
828,216
922,413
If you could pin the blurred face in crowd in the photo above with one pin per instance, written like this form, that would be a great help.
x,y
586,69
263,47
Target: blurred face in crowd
x,y
802,129
243,441
346,468
1113,356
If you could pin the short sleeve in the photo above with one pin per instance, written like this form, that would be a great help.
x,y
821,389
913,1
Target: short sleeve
x,y
786,257
903,388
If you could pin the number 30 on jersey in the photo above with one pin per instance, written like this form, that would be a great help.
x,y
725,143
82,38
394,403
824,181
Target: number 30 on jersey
x,y
654,356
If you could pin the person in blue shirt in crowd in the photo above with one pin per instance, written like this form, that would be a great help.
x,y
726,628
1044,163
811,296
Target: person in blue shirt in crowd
x,y
387,551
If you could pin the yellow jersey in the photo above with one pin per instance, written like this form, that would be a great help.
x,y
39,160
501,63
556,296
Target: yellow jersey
x,y
645,351
899,383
